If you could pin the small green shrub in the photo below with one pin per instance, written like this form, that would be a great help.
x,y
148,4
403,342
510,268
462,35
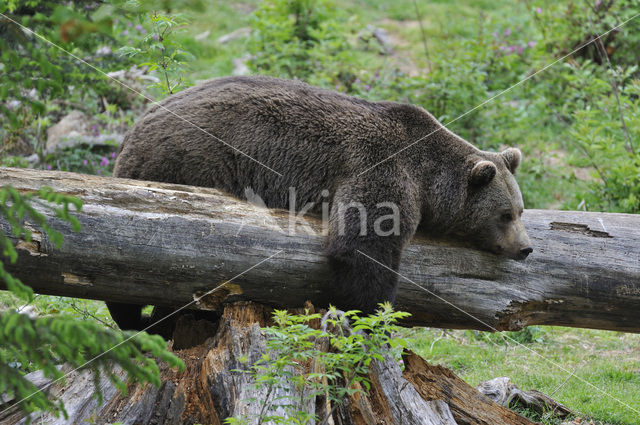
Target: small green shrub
x,y
599,135
157,48
292,345
305,39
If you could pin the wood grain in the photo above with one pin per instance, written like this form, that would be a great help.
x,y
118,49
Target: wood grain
x,y
165,244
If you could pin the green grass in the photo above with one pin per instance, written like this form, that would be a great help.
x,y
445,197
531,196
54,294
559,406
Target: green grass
x,y
48,304
219,18
610,361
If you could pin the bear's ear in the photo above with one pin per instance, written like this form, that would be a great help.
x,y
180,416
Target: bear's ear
x,y
482,173
512,156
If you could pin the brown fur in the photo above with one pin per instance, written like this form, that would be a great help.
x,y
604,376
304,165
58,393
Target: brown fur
x,y
319,139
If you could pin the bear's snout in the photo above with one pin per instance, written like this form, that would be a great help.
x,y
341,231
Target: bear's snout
x,y
524,253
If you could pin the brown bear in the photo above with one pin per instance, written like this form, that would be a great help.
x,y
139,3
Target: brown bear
x,y
394,161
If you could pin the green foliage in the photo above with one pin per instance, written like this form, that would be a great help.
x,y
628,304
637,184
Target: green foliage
x,y
43,343
301,39
15,208
569,25
82,160
42,305
159,50
22,53
598,133
298,368
91,31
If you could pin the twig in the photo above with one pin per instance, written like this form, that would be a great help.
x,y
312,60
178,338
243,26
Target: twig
x,y
266,399
424,35
163,64
593,163
94,317
335,406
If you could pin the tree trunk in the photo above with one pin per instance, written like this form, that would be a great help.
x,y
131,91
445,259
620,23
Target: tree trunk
x,y
210,389
166,244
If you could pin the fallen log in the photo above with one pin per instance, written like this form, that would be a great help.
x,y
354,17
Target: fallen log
x,y
166,244
212,389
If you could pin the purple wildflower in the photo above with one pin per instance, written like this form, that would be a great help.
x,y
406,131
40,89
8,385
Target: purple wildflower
x,y
48,166
129,24
520,49
512,49
99,171
539,10
367,87
94,130
155,37
113,155
85,162
495,34
125,32
507,32
503,47
531,43
104,161
357,81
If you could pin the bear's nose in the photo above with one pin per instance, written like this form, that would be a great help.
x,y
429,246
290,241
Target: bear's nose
x,y
525,251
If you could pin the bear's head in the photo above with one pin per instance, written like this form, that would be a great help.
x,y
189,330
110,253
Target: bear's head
x,y
493,205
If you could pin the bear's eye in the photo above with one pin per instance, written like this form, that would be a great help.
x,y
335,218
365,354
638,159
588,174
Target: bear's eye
x,y
506,217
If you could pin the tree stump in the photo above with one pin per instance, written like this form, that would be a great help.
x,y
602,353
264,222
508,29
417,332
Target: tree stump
x,y
211,389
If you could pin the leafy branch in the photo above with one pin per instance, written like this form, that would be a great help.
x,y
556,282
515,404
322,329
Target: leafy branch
x,y
162,52
44,343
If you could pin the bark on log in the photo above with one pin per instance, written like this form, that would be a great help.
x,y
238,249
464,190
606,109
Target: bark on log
x,y
164,244
210,389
